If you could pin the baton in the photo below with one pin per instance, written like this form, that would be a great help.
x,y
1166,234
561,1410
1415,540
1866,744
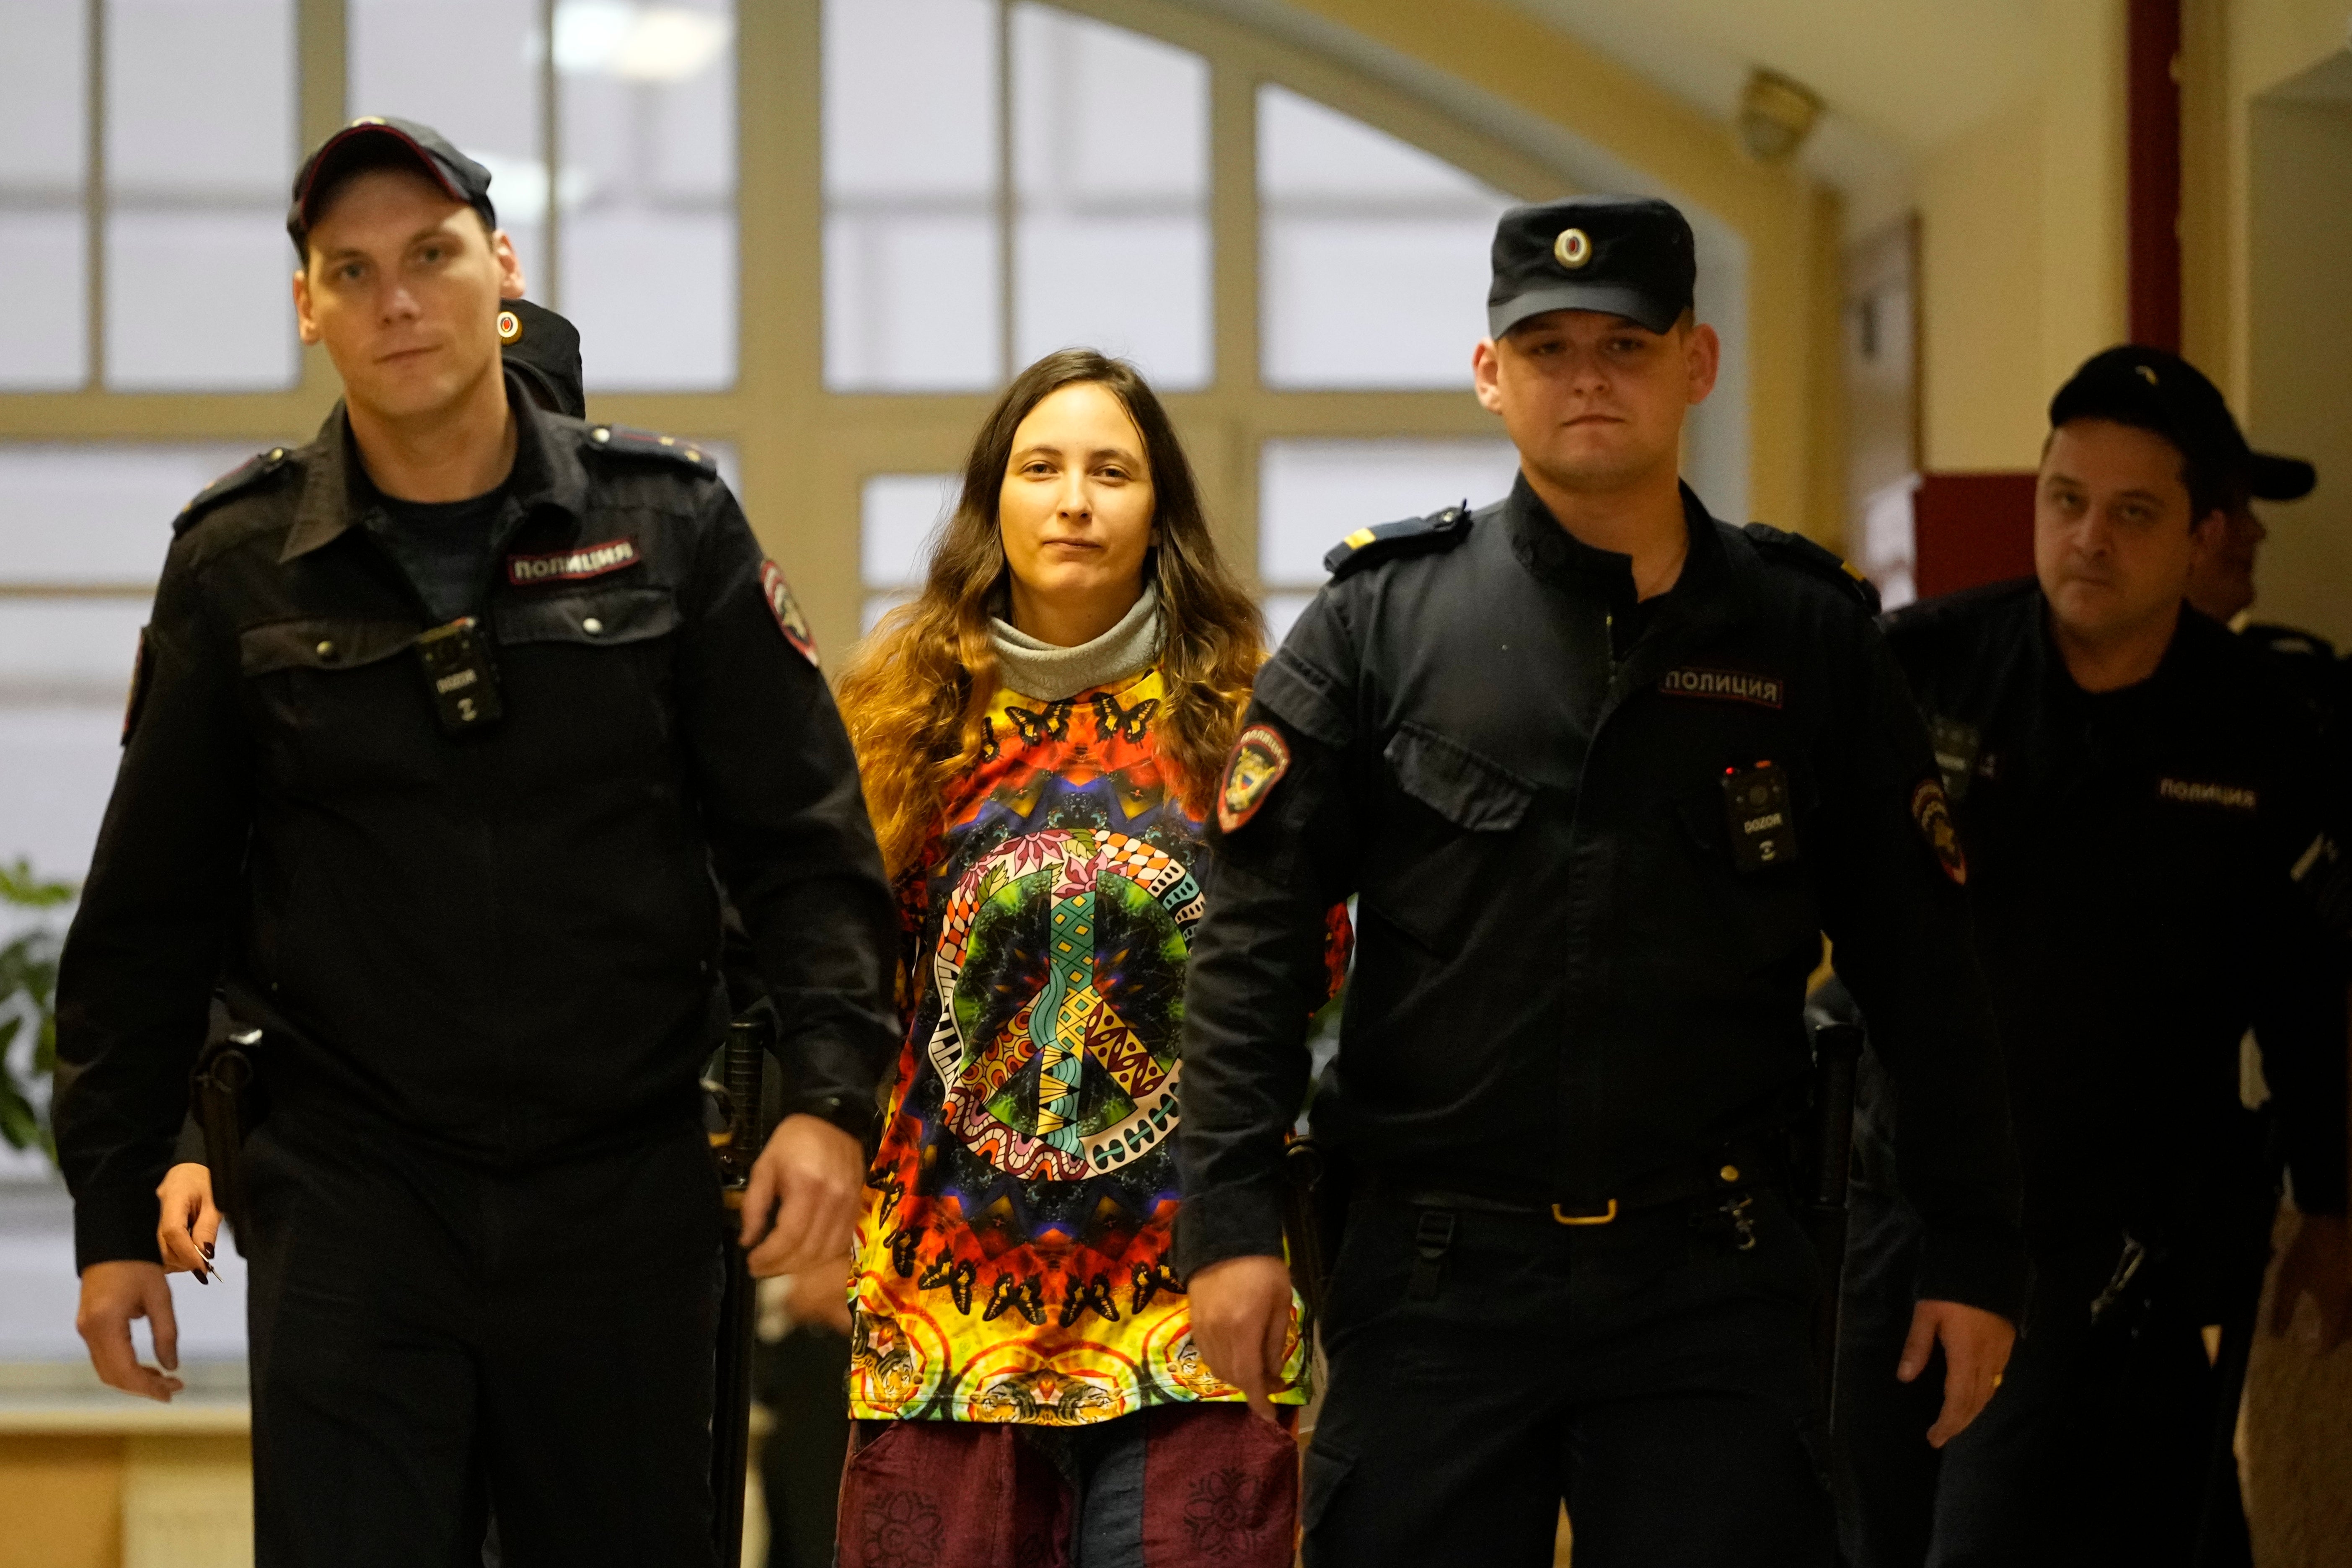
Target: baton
x,y
1837,1054
737,1148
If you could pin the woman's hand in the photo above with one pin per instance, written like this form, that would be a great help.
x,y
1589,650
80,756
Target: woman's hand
x,y
1240,1322
190,1223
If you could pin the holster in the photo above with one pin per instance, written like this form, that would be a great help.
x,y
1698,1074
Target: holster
x,y
1314,1209
225,1100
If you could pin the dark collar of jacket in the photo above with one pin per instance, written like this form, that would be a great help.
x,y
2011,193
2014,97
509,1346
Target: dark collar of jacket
x,y
1551,552
547,472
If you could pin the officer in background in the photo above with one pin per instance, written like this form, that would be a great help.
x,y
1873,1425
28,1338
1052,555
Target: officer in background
x,y
2150,850
1601,769
439,728
542,351
2222,582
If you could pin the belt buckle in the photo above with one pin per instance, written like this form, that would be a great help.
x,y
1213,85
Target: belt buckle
x,y
1605,1216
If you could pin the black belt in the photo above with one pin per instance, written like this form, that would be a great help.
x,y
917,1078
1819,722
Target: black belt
x,y
1737,1170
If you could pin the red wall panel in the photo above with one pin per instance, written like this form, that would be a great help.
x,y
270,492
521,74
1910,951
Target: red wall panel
x,y
1971,529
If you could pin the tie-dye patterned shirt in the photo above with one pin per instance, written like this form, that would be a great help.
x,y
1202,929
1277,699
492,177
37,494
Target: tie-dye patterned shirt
x,y
1013,1255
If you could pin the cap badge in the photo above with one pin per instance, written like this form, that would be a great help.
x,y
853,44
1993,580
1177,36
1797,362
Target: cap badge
x,y
2147,373
1572,250
509,327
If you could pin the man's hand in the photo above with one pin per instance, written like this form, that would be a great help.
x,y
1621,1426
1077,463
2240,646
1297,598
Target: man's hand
x,y
808,1180
1975,1348
2318,1263
1240,1322
111,1295
190,1223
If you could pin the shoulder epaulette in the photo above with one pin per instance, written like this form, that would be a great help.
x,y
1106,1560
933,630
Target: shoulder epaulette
x,y
1384,541
244,476
1797,550
630,443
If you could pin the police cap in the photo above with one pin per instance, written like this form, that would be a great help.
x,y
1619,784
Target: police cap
x,y
373,142
1629,255
543,350
2163,392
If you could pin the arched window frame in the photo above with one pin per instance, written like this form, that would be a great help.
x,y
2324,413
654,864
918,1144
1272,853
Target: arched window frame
x,y
804,452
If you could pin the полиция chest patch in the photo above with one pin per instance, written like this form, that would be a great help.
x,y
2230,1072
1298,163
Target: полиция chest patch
x,y
572,566
1723,685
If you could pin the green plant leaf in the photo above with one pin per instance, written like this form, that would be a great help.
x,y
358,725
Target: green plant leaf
x,y
19,885
18,1124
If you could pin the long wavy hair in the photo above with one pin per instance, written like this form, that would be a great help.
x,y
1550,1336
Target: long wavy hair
x,y
917,689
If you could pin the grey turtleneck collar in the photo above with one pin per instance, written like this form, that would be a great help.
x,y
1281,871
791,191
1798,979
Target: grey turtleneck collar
x,y
1049,673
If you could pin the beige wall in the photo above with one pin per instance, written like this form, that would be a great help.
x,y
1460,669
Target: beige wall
x,y
2023,266
2269,270
1980,296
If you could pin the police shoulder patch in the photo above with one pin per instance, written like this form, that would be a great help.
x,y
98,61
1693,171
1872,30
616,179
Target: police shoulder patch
x,y
631,443
787,611
1384,541
1933,814
247,476
1259,759
1814,560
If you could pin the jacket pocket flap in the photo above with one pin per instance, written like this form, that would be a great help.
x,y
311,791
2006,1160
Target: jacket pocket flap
x,y
607,615
320,644
1466,788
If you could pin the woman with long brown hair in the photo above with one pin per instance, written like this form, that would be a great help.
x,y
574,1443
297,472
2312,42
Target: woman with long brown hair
x,y
1041,733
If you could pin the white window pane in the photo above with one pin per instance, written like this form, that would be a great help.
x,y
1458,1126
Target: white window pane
x,y
1307,152
1373,254
911,303
1112,159
679,336
68,650
62,756
44,331
1105,115
200,99
1282,613
1137,287
1365,303
1313,494
647,98
483,96
910,99
199,300
877,605
912,278
898,515
83,512
44,83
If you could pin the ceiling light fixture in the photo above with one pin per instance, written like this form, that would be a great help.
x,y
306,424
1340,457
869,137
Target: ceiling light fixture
x,y
1776,115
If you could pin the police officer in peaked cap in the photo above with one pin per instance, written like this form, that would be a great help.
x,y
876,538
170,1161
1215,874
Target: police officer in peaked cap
x,y
2221,569
1601,770
2157,881
440,727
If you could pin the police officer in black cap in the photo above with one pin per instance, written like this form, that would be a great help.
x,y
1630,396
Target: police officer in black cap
x,y
2153,866
1601,770
2222,574
542,351
440,727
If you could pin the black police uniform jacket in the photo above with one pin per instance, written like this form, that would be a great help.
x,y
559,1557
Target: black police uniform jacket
x,y
504,945
1567,983
2153,871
